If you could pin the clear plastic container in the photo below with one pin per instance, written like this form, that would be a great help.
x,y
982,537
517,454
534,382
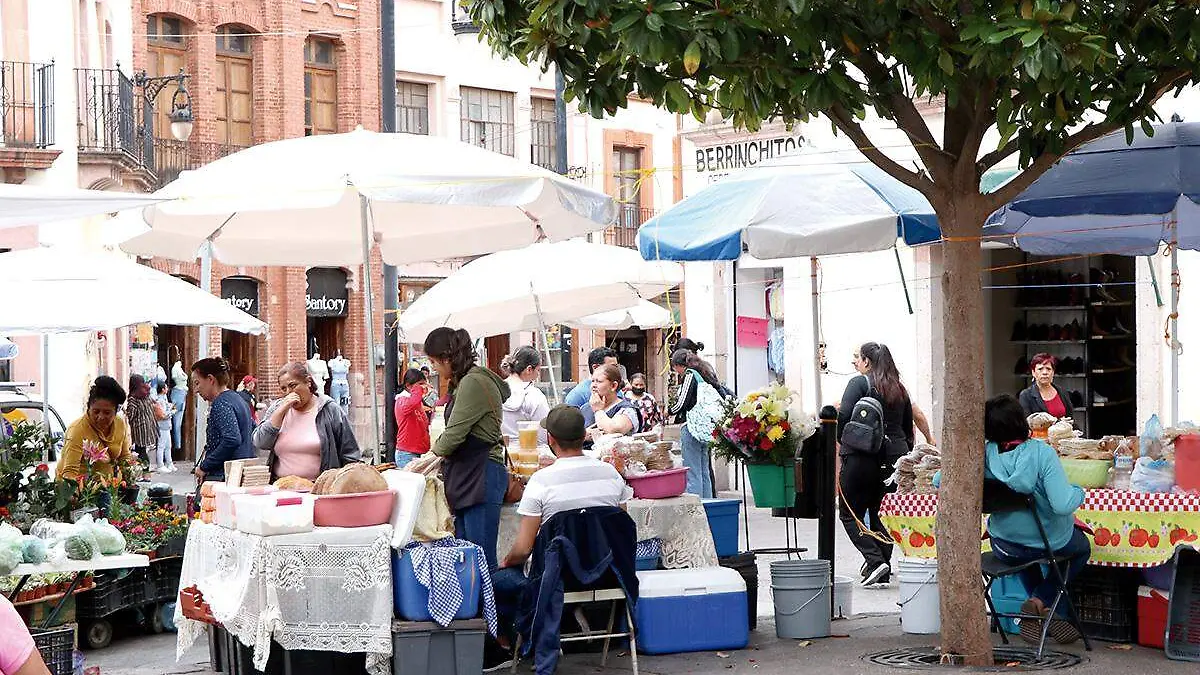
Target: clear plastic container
x,y
1121,471
226,511
276,513
527,435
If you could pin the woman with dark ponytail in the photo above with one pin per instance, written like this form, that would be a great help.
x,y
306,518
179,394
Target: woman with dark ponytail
x,y
862,474
472,446
698,407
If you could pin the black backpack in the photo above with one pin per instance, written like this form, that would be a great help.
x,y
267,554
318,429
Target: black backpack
x,y
864,432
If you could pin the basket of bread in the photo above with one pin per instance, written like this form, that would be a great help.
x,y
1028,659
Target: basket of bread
x,y
352,496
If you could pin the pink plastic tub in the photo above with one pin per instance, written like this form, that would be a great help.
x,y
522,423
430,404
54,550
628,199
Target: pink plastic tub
x,y
360,510
660,484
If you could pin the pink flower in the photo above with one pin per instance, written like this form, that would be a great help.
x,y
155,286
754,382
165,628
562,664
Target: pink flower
x,y
94,452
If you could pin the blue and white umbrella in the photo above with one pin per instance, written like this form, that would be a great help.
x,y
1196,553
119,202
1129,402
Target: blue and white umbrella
x,y
1114,197
790,208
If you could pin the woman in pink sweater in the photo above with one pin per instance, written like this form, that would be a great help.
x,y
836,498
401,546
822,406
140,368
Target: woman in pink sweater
x,y
18,655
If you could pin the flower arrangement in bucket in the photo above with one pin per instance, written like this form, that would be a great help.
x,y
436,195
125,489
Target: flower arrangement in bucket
x,y
764,430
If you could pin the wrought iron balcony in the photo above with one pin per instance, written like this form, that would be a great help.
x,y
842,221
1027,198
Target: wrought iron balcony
x,y
26,104
629,219
460,21
171,157
110,113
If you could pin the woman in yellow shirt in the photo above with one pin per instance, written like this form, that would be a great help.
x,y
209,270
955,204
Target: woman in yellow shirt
x,y
100,426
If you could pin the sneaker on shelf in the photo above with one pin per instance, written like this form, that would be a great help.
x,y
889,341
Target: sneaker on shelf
x,y
1119,328
1076,399
877,572
1099,399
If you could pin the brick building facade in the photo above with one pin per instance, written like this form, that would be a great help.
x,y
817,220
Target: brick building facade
x,y
259,71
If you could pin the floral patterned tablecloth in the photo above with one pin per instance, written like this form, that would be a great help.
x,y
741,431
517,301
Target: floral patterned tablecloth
x,y
325,590
1132,529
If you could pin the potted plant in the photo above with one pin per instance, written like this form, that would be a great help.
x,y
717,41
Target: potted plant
x,y
761,431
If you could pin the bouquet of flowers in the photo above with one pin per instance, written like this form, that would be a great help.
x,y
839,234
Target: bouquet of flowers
x,y
148,528
761,429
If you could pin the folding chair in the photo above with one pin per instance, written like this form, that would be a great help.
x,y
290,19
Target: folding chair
x,y
999,498
613,595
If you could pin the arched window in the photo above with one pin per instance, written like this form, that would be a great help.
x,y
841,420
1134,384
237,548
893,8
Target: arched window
x,y
320,86
166,42
234,79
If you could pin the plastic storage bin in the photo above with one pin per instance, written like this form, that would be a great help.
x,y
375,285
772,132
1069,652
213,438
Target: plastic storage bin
x,y
1183,611
1106,599
57,647
659,485
412,599
275,513
691,610
429,649
1152,616
723,521
746,564
226,512
1187,461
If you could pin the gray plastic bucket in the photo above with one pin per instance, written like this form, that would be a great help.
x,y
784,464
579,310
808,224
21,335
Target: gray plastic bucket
x,y
802,598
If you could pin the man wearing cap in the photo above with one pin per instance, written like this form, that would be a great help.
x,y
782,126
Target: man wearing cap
x,y
574,481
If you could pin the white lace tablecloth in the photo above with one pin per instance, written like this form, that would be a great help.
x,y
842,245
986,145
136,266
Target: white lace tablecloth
x,y
680,522
325,590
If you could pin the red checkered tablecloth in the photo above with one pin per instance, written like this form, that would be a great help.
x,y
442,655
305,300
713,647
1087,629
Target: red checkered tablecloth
x,y
1132,529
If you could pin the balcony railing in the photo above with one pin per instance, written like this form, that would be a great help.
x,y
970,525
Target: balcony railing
x,y
460,21
26,104
629,219
171,157
110,113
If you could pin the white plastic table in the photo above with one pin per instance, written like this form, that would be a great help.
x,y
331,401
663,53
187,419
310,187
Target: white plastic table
x,y
107,562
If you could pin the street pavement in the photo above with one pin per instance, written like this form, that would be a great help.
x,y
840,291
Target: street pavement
x,y
874,627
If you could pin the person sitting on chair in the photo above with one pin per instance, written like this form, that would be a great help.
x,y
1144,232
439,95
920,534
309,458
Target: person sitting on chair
x,y
573,483
1031,467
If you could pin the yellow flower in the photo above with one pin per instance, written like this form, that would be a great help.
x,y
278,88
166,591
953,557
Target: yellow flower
x,y
775,433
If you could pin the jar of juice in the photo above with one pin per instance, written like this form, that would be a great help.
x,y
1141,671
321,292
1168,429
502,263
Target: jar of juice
x,y
527,435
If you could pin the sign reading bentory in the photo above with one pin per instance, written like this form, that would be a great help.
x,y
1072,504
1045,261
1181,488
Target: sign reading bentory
x,y
241,292
327,292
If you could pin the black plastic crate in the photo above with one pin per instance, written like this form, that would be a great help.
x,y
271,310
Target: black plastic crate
x,y
163,583
57,647
113,593
1106,600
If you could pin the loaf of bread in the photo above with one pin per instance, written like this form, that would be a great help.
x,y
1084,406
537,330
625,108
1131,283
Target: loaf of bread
x,y
294,483
355,479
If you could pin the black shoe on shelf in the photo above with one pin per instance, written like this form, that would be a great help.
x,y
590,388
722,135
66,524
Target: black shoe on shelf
x,y
1124,359
1076,399
1018,332
1119,328
1022,368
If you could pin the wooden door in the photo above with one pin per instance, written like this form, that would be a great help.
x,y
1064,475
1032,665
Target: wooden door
x,y
241,351
497,348
163,61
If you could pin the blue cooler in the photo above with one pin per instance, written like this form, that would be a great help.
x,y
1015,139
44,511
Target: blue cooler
x,y
1008,594
412,599
691,610
723,521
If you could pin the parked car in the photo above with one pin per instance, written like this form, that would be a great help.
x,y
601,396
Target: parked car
x,y
17,404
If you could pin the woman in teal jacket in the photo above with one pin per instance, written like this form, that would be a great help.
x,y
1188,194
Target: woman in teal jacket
x,y
1031,466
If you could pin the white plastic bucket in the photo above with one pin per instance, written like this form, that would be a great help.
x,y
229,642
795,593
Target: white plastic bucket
x,y
843,593
920,611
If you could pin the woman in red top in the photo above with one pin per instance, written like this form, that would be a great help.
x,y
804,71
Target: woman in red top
x,y
412,419
1043,395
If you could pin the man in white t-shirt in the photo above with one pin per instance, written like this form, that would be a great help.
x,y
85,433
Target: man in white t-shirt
x,y
574,481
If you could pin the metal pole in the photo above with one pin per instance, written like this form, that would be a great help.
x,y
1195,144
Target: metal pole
x,y
816,322
46,388
202,348
369,305
1176,347
560,123
391,288
903,281
537,305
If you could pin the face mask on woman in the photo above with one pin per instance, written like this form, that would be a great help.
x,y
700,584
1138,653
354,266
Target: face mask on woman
x,y
638,390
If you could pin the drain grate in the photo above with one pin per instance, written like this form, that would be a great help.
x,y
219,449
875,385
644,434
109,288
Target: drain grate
x,y
929,658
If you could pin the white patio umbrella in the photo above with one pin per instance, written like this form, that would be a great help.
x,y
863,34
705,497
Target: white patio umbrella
x,y
644,314
22,205
325,199
56,291
540,284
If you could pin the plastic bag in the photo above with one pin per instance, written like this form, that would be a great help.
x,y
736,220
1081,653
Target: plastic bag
x,y
434,521
1152,475
109,538
33,550
81,544
11,553
1151,444
51,530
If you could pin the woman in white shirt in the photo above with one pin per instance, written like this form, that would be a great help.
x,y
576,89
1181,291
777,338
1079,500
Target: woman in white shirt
x,y
526,403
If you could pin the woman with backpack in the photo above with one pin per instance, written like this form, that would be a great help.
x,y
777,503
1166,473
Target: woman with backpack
x,y
875,428
698,407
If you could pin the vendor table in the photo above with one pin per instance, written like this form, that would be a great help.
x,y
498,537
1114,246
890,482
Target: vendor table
x,y
325,590
1132,529
680,522
108,562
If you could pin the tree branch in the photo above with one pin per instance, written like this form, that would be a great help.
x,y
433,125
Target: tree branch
x,y
1091,132
854,131
996,156
906,116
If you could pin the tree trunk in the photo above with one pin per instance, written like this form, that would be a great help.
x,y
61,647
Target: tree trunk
x,y
964,624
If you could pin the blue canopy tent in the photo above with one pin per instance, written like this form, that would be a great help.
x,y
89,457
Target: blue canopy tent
x,y
1113,197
